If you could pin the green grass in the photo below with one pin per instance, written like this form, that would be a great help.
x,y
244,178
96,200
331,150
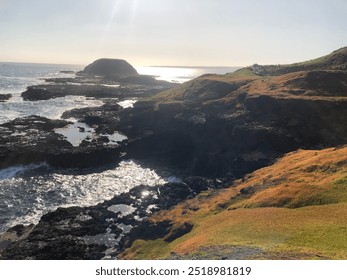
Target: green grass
x,y
242,73
309,231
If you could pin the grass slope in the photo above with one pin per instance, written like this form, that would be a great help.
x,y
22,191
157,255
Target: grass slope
x,y
318,78
294,209
337,60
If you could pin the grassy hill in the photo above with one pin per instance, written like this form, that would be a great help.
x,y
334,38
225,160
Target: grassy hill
x,y
294,209
337,60
322,77
235,124
217,125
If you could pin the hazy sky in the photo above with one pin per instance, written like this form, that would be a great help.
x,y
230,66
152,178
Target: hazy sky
x,y
171,32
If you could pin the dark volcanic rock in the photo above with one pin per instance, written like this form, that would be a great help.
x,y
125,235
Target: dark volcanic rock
x,y
4,97
233,135
92,232
112,68
34,93
32,139
104,119
99,90
44,92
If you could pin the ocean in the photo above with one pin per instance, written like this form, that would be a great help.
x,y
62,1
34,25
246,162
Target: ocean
x,y
28,192
181,74
16,77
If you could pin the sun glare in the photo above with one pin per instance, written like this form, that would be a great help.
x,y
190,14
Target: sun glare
x,y
118,16
176,74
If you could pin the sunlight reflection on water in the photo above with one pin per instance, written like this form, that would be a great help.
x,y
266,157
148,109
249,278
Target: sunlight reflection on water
x,y
28,192
181,74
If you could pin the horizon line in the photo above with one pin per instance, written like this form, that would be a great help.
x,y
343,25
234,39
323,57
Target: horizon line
x,y
83,65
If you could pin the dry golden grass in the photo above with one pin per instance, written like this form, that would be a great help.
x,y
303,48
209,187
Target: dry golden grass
x,y
297,85
298,205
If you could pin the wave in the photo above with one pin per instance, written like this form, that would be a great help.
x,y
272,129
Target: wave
x,y
14,171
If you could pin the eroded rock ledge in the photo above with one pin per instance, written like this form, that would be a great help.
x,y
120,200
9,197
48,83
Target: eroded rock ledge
x,y
100,231
33,139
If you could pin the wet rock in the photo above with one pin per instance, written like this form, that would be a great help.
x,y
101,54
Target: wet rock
x,y
104,119
34,93
97,89
44,92
32,140
63,248
92,232
5,97
18,229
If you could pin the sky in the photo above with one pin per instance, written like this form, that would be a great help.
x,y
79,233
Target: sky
x,y
171,32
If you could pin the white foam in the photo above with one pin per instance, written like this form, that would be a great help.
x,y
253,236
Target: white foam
x,y
129,103
11,172
52,108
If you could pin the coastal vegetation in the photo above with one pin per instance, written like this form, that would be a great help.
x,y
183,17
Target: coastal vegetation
x,y
293,209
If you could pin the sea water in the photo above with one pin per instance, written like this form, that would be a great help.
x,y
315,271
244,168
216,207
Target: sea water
x,y
27,192
16,77
181,74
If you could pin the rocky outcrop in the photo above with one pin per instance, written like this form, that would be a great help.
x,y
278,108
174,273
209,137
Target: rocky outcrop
x,y
32,139
229,125
99,231
231,141
104,78
41,93
111,68
5,97
98,90
220,129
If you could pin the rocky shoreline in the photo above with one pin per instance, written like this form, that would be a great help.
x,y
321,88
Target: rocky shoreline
x,y
101,231
85,232
213,129
35,139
